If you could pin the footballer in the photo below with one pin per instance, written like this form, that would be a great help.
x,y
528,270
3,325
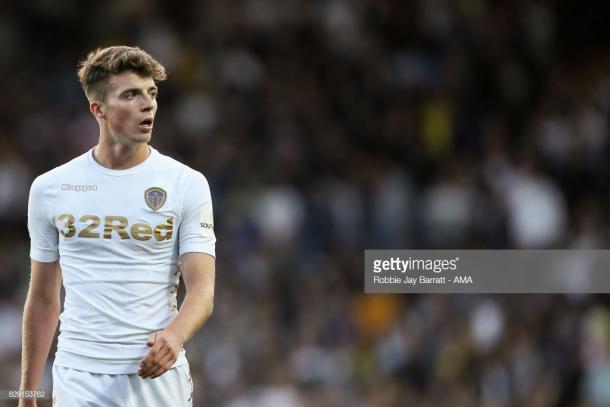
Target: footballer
x,y
118,226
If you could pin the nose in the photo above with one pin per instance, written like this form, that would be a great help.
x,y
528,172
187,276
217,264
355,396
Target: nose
x,y
148,103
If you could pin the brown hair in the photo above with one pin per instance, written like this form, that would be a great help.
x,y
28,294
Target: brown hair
x,y
101,64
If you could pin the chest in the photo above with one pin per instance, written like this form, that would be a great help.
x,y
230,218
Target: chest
x,y
143,214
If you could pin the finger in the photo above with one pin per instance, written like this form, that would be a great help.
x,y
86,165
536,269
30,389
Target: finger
x,y
154,353
165,365
157,345
152,338
146,366
147,369
155,370
147,361
162,369
154,361
157,373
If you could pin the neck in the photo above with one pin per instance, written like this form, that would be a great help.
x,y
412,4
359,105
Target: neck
x,y
117,156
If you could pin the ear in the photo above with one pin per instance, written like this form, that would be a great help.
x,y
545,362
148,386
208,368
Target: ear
x,y
97,109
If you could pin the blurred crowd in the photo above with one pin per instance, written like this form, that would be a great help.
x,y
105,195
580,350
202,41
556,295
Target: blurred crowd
x,y
328,127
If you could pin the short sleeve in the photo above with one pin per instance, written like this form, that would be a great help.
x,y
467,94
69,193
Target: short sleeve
x,y
196,231
44,238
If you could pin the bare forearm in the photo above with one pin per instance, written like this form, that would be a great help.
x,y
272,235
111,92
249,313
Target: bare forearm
x,y
198,272
194,312
40,320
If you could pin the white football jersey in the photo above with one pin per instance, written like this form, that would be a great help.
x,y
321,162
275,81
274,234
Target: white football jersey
x,y
118,235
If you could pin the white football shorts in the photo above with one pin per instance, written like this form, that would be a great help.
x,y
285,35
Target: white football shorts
x,y
77,388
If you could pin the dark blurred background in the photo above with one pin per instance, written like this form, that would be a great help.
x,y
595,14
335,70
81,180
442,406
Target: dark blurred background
x,y
326,127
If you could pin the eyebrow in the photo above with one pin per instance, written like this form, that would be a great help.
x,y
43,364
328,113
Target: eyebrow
x,y
152,88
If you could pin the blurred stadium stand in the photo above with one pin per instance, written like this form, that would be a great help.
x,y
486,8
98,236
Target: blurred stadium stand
x,y
326,127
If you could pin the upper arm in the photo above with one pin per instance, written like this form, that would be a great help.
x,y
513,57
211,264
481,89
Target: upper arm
x,y
45,282
196,231
197,239
44,238
45,278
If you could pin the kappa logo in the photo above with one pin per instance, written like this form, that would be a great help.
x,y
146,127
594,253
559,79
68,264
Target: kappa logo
x,y
78,188
155,197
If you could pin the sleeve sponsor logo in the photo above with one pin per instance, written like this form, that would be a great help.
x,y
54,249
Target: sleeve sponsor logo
x,y
206,219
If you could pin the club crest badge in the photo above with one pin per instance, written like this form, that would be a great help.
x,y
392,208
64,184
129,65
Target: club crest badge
x,y
155,197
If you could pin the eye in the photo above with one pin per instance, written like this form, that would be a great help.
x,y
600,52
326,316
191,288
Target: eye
x,y
153,95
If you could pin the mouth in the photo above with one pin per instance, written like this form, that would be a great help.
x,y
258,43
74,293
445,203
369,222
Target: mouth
x,y
146,124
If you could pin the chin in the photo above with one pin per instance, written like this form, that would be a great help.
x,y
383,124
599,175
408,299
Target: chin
x,y
141,137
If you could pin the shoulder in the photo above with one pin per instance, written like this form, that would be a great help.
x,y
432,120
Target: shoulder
x,y
186,173
53,178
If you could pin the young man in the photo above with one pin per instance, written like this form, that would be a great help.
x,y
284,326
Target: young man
x,y
119,225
